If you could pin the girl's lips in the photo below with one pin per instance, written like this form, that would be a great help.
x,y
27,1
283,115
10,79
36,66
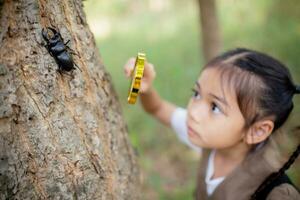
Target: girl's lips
x,y
192,133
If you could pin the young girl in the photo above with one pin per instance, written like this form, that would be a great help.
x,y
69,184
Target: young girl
x,y
240,100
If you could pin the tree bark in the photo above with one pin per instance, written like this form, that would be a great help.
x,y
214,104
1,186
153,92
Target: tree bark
x,y
61,136
211,37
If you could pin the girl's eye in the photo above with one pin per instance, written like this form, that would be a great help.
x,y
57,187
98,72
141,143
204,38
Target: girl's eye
x,y
216,109
196,94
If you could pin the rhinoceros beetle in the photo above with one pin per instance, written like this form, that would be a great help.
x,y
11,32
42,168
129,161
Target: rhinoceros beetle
x,y
59,50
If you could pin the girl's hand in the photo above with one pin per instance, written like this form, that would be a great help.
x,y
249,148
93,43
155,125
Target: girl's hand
x,y
148,76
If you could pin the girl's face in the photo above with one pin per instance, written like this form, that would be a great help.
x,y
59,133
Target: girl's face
x,y
214,120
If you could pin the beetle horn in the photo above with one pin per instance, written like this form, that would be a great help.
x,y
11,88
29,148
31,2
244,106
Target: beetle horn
x,y
53,30
45,35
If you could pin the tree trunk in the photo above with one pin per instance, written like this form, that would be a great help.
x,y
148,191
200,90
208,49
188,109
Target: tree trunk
x,y
211,37
62,136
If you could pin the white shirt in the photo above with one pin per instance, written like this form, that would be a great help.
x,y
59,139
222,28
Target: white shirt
x,y
178,123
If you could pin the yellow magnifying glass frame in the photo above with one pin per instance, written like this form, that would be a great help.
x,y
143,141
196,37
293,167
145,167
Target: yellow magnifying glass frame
x,y
136,78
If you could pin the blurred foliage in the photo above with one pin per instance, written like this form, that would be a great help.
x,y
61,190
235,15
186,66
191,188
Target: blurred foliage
x,y
168,32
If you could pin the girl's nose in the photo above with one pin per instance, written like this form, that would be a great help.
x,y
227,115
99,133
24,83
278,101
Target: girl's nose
x,y
197,112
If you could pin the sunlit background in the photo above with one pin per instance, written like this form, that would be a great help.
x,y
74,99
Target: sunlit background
x,y
168,31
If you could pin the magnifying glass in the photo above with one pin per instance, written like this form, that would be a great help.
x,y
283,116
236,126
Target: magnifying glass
x,y
136,78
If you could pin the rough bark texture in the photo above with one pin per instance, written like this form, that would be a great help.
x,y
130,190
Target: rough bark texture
x,y
211,37
61,136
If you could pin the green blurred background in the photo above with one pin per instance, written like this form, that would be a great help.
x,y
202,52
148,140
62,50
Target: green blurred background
x,y
168,31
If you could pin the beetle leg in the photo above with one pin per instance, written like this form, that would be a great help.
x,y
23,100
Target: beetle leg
x,y
48,49
67,42
77,66
61,72
50,53
72,51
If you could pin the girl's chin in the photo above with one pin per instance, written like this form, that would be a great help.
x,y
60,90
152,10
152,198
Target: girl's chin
x,y
197,141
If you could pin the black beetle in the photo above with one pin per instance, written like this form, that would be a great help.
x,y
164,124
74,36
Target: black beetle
x,y
59,50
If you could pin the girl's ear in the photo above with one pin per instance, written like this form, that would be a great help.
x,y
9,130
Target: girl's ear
x,y
259,131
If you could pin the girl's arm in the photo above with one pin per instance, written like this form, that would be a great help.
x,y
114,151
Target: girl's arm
x,y
157,107
166,112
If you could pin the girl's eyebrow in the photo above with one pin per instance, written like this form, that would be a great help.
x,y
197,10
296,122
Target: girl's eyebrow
x,y
220,99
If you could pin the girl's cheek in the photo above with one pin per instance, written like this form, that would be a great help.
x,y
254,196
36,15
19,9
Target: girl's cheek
x,y
190,108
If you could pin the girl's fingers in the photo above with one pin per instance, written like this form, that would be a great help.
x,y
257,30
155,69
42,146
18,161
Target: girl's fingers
x,y
148,67
129,66
149,70
149,73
